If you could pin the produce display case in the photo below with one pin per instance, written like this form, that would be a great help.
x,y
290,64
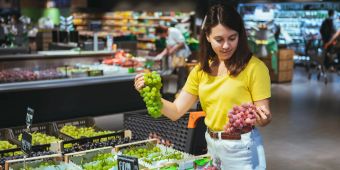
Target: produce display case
x,y
63,67
73,85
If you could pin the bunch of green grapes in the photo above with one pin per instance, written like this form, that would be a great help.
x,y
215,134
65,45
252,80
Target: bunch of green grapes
x,y
77,133
164,156
4,145
141,152
151,93
40,138
101,161
103,156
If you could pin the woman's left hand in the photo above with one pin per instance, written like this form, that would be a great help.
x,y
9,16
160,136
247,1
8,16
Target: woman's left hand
x,y
263,114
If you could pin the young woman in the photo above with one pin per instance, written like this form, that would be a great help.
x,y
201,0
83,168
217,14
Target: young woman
x,y
227,75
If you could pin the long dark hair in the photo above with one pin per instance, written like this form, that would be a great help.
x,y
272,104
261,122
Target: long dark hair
x,y
227,16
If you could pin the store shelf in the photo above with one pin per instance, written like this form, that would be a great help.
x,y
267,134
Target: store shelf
x,y
55,54
60,83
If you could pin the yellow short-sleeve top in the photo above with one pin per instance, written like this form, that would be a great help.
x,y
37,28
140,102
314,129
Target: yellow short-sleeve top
x,y
218,94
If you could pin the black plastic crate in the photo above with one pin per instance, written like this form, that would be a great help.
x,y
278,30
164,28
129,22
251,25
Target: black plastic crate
x,y
187,133
46,128
184,139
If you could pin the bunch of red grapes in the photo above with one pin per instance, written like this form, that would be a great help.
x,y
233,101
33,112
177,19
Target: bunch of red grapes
x,y
241,118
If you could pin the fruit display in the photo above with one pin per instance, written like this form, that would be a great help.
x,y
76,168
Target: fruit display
x,y
153,155
141,151
18,75
79,132
241,118
7,76
40,138
151,93
166,156
102,161
123,59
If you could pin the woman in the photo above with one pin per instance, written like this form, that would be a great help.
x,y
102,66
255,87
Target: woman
x,y
227,75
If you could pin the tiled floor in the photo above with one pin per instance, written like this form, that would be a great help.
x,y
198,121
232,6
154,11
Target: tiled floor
x,y
305,131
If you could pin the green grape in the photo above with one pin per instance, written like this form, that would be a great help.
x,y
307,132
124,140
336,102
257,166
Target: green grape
x,y
151,93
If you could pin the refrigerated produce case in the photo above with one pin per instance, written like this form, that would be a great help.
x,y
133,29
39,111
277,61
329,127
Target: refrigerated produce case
x,y
65,84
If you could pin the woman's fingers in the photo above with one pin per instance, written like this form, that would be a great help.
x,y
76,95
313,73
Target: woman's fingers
x,y
140,85
261,113
139,81
138,76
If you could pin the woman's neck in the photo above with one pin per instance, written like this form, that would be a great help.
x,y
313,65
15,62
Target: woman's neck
x,y
219,68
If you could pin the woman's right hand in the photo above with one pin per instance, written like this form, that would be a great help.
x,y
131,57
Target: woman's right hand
x,y
139,81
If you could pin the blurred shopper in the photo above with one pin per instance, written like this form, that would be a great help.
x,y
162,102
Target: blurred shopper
x,y
175,53
227,75
327,30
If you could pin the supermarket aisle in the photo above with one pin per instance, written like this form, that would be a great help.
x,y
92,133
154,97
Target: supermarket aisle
x,y
305,132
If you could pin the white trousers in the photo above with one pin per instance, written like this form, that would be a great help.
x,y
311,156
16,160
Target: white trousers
x,y
244,154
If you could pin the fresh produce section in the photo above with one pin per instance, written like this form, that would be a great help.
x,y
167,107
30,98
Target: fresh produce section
x,y
97,155
151,93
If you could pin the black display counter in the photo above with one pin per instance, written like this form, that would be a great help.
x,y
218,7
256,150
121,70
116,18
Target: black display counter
x,y
62,99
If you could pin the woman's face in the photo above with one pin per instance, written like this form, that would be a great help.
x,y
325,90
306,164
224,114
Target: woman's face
x,y
223,41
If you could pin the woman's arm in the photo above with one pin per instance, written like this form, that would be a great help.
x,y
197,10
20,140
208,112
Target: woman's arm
x,y
175,110
263,114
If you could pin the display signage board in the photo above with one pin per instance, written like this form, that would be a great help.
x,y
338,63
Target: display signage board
x,y
127,163
26,143
29,116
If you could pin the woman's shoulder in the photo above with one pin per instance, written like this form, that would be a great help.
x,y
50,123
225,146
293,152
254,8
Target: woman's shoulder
x,y
255,64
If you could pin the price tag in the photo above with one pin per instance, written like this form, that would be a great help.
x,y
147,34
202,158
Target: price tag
x,y
127,163
29,117
26,143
